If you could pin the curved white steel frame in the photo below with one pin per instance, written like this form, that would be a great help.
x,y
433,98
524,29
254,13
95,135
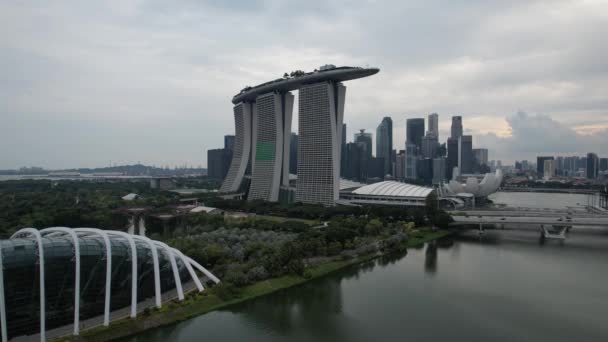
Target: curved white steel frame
x,y
74,234
76,243
150,243
106,239
204,270
134,278
2,305
181,255
178,282
38,236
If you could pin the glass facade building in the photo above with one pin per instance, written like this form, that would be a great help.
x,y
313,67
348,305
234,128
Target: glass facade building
x,y
60,277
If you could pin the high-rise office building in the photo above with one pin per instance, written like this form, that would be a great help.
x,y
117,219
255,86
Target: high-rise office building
x,y
452,160
548,168
540,164
570,166
354,156
465,154
365,139
429,146
410,161
480,156
293,154
400,165
439,170
433,125
603,164
456,127
384,144
593,165
218,162
375,168
229,141
424,170
559,166
415,132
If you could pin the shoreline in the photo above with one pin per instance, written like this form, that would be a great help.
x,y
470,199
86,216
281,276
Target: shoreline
x,y
197,304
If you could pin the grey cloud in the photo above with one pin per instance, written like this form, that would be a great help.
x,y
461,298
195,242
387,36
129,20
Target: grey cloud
x,y
161,75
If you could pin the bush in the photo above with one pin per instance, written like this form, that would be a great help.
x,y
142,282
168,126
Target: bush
x,y
394,243
226,291
236,277
307,274
367,249
296,267
257,273
347,255
334,248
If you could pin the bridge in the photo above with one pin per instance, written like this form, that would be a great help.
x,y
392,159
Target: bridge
x,y
552,223
548,190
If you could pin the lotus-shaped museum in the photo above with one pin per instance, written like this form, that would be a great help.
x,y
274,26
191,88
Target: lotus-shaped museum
x,y
488,185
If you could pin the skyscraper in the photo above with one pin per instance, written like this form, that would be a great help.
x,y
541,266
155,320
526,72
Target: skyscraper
x,y
424,170
439,171
229,142
465,154
354,155
218,162
429,146
321,113
603,164
415,132
480,156
293,154
384,144
540,165
263,131
244,113
548,168
343,153
410,161
400,165
271,150
456,127
452,161
433,125
593,165
365,139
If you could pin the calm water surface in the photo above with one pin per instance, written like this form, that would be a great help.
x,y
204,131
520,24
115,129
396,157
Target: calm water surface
x,y
505,287
540,200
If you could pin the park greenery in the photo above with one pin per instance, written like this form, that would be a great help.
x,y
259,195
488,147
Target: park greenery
x,y
252,244
269,241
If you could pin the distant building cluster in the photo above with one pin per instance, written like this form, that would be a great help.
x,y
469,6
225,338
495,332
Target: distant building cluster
x,y
424,160
589,166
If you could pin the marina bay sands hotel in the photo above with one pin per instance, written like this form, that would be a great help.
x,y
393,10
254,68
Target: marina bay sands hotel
x,y
262,116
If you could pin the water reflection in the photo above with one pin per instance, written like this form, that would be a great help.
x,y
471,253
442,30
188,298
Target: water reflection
x,y
430,258
317,305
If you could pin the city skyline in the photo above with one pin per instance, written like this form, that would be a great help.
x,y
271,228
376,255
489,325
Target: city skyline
x,y
147,82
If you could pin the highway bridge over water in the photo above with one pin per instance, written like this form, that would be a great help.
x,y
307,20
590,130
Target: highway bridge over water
x,y
551,223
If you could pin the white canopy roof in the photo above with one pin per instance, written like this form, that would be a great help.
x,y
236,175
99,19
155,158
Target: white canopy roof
x,y
395,189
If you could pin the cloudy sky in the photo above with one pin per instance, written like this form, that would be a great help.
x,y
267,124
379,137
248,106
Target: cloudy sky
x,y
89,83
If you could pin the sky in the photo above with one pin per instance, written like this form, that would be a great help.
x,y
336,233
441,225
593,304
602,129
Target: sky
x,y
94,83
